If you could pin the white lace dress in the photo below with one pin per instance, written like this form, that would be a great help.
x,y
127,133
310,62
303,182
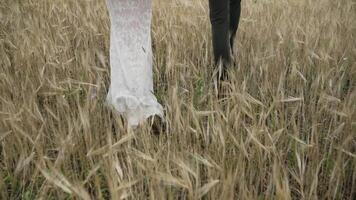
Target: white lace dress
x,y
131,89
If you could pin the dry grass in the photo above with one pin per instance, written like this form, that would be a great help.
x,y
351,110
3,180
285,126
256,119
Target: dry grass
x,y
287,130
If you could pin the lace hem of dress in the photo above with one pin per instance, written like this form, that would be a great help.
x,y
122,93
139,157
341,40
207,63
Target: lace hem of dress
x,y
135,109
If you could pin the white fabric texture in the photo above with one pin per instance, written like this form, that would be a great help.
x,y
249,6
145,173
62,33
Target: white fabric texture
x,y
131,89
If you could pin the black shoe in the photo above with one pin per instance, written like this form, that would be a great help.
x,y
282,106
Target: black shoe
x,y
221,79
157,125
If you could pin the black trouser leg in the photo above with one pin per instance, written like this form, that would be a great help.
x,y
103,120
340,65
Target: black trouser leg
x,y
224,18
235,11
219,18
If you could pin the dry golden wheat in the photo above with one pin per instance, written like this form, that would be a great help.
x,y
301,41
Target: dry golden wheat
x,y
286,129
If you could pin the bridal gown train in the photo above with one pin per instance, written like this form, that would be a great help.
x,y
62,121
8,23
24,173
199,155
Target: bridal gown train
x,y
131,89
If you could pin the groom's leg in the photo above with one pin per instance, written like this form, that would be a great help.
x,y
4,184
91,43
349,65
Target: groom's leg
x,y
235,11
219,18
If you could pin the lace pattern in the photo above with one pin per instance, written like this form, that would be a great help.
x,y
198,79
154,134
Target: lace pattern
x,y
131,89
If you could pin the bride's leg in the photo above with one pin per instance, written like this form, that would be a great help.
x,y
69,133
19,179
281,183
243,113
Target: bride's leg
x,y
131,60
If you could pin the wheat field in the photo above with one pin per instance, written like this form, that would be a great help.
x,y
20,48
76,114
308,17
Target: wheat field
x,y
285,130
